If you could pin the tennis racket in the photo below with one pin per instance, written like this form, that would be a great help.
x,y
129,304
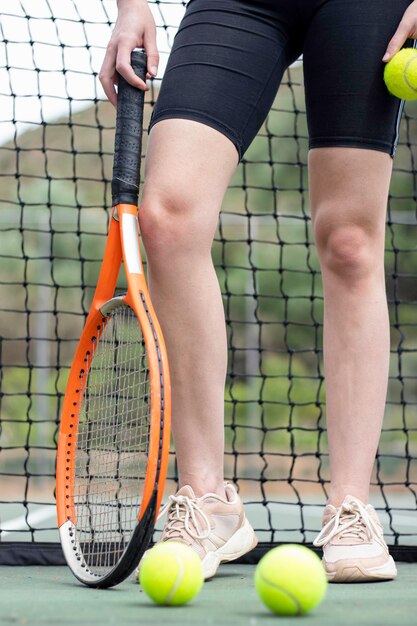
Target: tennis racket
x,y
115,425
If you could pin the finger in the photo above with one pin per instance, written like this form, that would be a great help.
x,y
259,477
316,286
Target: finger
x,y
108,76
149,41
125,69
402,33
109,89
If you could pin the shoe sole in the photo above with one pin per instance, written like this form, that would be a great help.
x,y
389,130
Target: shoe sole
x,y
243,541
353,573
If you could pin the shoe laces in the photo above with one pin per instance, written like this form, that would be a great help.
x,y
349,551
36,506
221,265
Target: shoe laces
x,y
183,509
352,521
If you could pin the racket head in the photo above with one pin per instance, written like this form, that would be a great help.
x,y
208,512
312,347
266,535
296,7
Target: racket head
x,y
112,448
114,435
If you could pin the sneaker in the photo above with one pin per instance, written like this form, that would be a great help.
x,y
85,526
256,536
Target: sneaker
x,y
216,528
354,549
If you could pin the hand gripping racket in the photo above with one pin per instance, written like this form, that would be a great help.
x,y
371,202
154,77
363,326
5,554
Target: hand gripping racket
x,y
115,424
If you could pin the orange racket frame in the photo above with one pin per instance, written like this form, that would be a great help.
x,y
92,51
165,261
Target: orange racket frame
x,y
122,245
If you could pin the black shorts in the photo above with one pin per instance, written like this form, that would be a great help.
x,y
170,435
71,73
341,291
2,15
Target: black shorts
x,y
229,56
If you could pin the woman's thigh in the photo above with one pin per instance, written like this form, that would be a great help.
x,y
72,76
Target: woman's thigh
x,y
188,168
226,65
347,101
348,194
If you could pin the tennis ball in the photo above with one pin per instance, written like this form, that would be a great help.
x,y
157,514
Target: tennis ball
x,y
171,573
400,74
290,580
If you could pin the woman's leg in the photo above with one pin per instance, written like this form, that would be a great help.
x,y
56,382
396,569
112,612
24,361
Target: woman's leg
x,y
221,79
349,190
188,169
348,104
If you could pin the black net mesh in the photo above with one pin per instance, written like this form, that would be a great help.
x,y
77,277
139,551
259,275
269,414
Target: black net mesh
x,y
56,137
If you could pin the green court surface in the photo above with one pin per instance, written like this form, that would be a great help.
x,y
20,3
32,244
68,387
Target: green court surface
x,y
51,595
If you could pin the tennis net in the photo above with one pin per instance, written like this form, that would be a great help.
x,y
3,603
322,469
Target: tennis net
x,y
56,138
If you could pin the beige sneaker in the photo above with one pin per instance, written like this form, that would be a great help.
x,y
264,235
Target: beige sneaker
x,y
354,549
216,528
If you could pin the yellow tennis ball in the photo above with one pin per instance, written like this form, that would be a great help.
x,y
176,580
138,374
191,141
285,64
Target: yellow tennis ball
x,y
290,580
171,573
400,74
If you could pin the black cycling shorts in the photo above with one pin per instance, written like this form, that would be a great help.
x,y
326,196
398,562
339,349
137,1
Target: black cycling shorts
x,y
229,56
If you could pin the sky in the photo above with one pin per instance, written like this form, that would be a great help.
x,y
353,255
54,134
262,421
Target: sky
x,y
41,38
33,87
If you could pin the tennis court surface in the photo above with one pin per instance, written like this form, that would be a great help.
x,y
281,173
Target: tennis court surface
x,y
51,595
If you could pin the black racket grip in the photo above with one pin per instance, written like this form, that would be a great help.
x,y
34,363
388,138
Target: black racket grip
x,y
128,137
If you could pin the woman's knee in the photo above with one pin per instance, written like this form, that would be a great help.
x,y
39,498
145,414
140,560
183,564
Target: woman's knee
x,y
184,187
348,193
171,226
351,251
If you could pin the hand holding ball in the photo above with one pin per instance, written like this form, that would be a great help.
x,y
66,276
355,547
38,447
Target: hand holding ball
x,y
400,74
290,580
171,573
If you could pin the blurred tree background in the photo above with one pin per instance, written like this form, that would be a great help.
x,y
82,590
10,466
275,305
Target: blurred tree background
x,y
55,199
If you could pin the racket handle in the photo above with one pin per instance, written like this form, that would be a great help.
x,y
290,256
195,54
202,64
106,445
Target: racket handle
x,y
128,137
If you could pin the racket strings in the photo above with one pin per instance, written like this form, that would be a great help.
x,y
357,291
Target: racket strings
x,y
112,441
